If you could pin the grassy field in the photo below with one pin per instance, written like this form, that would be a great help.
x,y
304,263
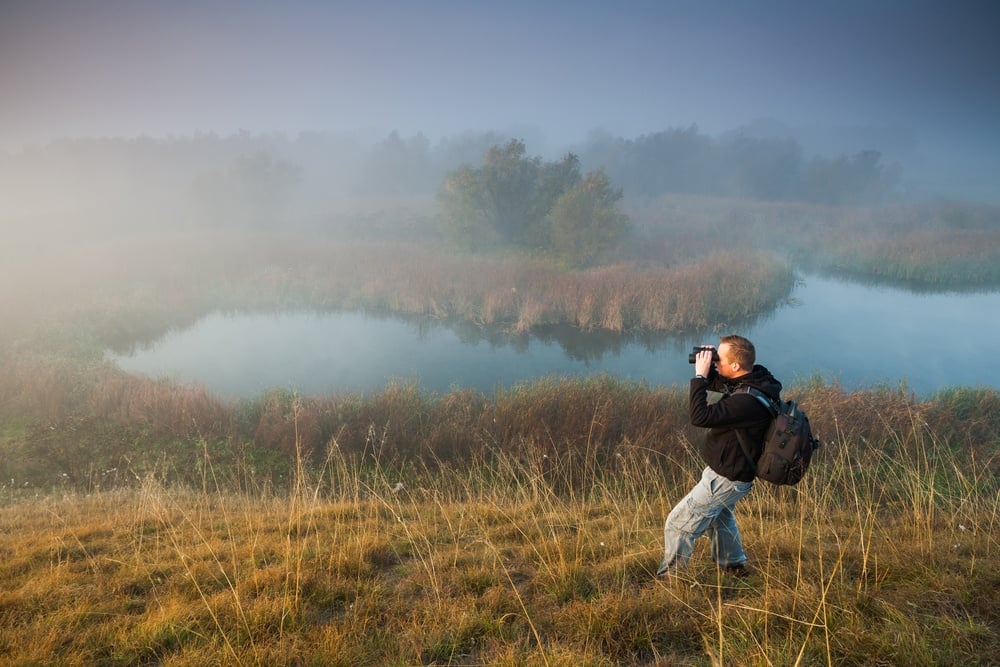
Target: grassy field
x,y
145,522
886,554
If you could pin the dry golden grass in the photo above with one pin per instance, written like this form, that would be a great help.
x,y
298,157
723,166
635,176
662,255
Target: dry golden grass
x,y
495,562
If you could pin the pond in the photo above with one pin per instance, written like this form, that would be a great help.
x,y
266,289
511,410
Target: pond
x,y
857,335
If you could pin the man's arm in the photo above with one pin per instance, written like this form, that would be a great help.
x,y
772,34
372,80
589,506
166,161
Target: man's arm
x,y
698,403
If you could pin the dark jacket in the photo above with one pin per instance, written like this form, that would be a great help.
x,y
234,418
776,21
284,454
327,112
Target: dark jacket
x,y
736,409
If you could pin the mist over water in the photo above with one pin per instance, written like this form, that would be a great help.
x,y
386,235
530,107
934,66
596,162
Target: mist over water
x,y
857,335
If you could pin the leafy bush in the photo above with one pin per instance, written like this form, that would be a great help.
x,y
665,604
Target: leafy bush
x,y
585,222
513,201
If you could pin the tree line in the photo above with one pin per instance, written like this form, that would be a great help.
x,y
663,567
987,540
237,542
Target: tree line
x,y
490,192
674,161
678,160
685,161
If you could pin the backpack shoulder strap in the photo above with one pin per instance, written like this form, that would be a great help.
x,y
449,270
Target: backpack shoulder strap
x,y
763,398
771,408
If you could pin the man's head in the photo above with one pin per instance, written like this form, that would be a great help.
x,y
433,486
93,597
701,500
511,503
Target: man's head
x,y
736,356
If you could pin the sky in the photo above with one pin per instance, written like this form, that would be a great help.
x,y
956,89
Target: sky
x,y
558,70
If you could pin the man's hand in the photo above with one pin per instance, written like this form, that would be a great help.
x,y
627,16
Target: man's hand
x,y
703,361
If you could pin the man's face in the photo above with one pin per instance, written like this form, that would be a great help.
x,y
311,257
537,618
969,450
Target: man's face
x,y
726,366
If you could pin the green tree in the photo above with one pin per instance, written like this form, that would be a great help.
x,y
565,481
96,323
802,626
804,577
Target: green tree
x,y
510,179
467,218
265,184
860,179
508,201
764,169
555,179
586,223
255,190
398,166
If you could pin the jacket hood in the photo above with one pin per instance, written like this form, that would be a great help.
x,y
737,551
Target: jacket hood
x,y
759,378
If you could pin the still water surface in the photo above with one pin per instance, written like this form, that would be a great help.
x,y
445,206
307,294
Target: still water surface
x,y
857,335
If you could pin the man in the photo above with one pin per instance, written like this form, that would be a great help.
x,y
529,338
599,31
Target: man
x,y
729,475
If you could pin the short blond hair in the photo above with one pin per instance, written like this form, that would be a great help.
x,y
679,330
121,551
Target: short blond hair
x,y
741,350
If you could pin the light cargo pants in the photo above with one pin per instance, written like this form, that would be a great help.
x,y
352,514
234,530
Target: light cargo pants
x,y
706,509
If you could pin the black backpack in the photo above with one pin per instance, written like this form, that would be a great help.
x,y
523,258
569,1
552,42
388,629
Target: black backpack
x,y
788,444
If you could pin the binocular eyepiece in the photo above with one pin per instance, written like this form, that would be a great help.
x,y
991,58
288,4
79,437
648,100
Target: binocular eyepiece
x,y
715,354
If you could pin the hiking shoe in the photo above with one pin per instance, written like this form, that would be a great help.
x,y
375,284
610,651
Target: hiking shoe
x,y
666,569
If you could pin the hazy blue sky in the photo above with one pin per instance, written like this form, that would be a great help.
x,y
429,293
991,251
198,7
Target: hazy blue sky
x,y
131,67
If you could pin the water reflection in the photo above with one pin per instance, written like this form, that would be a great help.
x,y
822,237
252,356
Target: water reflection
x,y
587,347
847,332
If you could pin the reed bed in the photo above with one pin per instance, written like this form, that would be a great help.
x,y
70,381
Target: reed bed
x,y
128,292
55,419
939,245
